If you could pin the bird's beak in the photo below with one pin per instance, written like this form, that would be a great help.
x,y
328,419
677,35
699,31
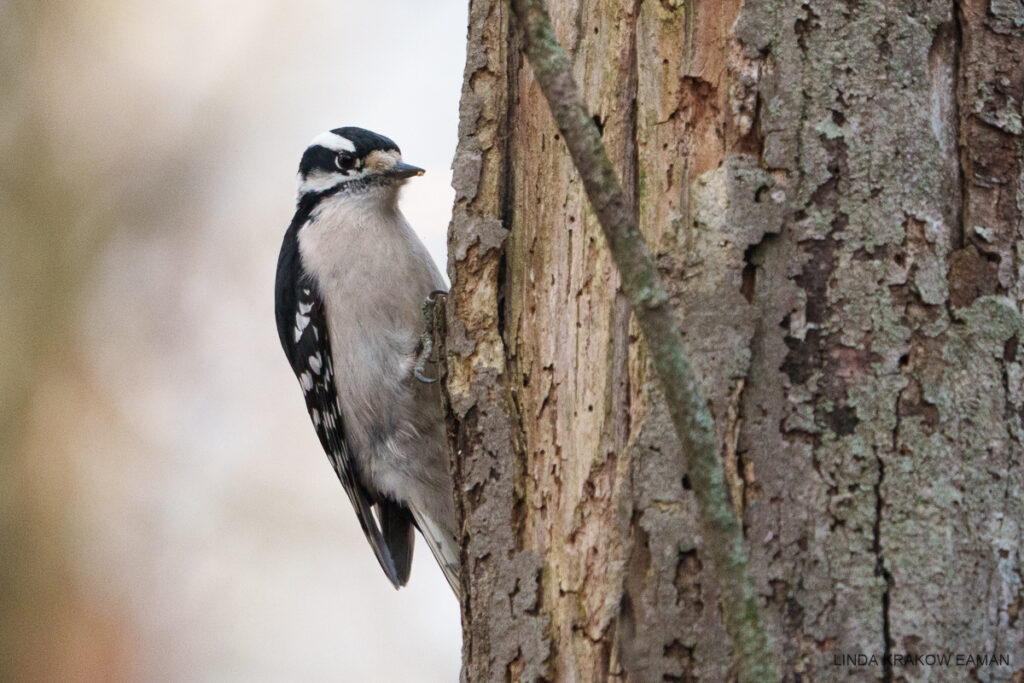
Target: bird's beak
x,y
403,170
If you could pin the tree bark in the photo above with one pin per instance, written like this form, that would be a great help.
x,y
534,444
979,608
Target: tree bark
x,y
833,192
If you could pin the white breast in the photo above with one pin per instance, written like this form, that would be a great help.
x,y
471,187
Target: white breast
x,y
374,275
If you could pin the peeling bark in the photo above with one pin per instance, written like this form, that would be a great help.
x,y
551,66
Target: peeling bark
x,y
834,193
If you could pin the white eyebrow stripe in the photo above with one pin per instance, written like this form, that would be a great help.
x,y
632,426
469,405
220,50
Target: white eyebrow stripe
x,y
333,141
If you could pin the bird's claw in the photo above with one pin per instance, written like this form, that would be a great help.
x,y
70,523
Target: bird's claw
x,y
427,338
426,348
423,378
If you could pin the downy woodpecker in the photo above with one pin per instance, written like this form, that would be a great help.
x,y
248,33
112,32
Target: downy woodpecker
x,y
352,279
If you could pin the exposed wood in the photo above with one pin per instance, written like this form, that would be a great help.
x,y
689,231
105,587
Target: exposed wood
x,y
642,285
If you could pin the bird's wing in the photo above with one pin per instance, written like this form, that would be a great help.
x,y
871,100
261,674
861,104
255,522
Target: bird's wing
x,y
302,328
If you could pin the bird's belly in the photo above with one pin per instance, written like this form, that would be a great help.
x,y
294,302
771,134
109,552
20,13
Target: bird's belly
x,y
374,281
388,422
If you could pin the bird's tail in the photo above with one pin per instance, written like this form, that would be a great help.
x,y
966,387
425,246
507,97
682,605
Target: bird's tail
x,y
444,546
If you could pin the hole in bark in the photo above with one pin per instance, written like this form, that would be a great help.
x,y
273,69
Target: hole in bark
x,y
599,123
802,27
838,117
794,612
904,359
687,580
814,278
640,557
802,358
1010,349
801,30
626,624
884,47
900,260
749,282
842,421
687,486
753,257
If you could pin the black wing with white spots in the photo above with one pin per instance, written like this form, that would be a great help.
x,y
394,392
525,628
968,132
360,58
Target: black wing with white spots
x,y
302,328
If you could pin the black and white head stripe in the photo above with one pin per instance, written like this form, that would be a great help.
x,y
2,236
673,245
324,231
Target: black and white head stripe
x,y
365,141
334,142
322,152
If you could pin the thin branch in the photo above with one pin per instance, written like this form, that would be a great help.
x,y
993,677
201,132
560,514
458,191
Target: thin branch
x,y
647,295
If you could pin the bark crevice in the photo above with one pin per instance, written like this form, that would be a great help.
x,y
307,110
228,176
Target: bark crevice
x,y
883,573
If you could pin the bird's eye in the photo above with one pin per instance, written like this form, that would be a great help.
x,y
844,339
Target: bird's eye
x,y
345,161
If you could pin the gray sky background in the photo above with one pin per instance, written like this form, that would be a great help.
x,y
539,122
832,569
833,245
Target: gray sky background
x,y
204,506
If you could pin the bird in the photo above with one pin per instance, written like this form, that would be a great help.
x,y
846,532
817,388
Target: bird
x,y
352,280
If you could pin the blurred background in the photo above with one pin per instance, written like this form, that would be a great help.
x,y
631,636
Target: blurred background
x,y
166,512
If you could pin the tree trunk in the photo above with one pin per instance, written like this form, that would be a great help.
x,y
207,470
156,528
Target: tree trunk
x,y
834,193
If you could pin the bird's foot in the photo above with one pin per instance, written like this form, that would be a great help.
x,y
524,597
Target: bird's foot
x,y
427,338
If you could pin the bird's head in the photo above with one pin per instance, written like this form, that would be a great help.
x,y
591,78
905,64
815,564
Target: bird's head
x,y
352,161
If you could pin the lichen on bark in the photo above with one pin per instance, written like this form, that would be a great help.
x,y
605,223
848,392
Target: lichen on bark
x,y
834,194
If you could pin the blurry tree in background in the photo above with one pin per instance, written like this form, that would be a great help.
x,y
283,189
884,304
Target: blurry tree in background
x,y
166,514
54,224
73,179
834,192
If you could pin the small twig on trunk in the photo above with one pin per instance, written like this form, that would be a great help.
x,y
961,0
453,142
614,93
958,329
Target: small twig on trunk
x,y
642,285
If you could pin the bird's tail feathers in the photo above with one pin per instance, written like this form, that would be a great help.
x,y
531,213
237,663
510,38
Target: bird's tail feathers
x,y
444,546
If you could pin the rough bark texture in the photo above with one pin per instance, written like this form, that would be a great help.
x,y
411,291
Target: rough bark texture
x,y
834,192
